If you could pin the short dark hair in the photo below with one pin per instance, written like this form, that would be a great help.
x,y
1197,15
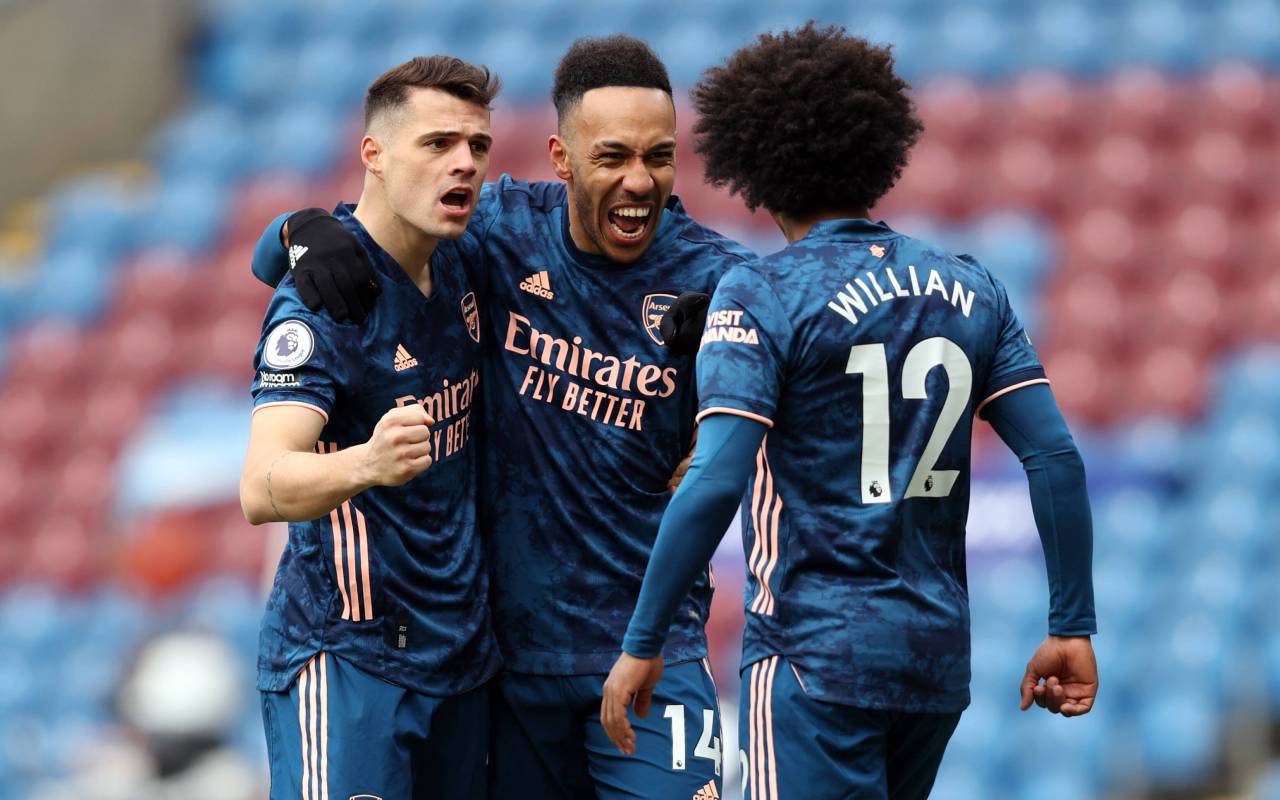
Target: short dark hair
x,y
594,62
805,121
471,82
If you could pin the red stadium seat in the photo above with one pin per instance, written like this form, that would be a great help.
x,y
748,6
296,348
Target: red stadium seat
x,y
1241,98
1141,102
1049,108
956,114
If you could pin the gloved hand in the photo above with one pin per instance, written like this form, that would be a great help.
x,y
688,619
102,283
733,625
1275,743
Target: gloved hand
x,y
329,267
682,325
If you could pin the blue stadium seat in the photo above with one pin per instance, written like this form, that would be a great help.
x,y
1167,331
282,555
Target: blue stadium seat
x,y
72,284
207,141
186,213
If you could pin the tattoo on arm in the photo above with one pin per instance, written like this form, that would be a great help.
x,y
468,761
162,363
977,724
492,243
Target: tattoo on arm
x,y
270,469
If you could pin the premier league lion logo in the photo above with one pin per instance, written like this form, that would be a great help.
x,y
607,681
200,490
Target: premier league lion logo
x,y
655,306
288,345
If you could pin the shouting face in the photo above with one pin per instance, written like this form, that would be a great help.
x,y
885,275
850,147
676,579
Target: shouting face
x,y
616,151
432,154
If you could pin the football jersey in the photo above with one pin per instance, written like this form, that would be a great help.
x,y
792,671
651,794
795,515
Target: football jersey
x,y
394,580
867,353
586,418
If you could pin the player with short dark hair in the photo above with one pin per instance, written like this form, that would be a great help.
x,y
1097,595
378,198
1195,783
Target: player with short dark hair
x,y
377,646
587,416
838,380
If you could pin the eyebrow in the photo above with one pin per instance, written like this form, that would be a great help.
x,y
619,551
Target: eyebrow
x,y
484,137
612,145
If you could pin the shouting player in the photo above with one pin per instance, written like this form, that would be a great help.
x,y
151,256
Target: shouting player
x,y
587,416
838,380
377,644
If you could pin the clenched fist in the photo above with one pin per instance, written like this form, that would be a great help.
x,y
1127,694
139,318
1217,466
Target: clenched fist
x,y
399,448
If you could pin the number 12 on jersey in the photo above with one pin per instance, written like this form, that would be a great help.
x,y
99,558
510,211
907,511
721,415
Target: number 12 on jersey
x,y
870,361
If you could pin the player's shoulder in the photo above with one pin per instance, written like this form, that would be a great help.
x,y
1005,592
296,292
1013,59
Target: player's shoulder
x,y
696,237
931,254
286,305
514,194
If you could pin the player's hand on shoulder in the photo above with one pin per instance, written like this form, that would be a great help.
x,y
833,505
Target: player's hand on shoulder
x,y
631,680
682,325
1062,676
400,447
329,267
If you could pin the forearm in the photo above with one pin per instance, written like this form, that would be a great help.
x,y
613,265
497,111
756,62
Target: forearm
x,y
293,486
270,257
692,526
1060,504
1029,421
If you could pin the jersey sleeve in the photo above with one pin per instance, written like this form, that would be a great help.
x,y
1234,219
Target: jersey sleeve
x,y
1015,363
303,358
742,360
270,262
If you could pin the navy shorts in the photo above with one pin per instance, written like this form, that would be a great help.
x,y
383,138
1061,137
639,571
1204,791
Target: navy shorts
x,y
340,733
548,742
796,746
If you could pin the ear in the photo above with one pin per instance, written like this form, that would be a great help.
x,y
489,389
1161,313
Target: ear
x,y
371,154
559,152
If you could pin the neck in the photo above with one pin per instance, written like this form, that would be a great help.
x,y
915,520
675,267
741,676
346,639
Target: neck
x,y
796,228
576,233
408,245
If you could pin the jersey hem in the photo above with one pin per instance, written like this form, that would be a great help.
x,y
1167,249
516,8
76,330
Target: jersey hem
x,y
565,664
1011,388
706,412
297,403
870,695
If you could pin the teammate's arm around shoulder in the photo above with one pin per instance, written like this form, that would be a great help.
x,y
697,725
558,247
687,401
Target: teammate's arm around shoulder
x,y
1030,423
285,479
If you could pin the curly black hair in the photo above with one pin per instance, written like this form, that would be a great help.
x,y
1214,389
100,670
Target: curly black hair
x,y
594,62
806,121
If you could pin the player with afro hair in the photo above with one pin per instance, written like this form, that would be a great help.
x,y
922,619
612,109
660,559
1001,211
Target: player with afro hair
x,y
805,122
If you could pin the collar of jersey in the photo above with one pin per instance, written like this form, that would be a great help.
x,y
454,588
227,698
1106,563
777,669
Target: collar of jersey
x,y
668,229
857,229
382,260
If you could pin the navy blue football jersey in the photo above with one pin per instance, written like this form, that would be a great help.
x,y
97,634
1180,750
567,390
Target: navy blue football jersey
x,y
586,418
867,353
394,580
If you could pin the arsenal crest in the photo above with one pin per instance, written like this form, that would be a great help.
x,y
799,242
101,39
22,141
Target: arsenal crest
x,y
471,315
655,306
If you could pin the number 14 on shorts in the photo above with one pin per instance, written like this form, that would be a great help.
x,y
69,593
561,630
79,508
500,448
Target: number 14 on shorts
x,y
708,743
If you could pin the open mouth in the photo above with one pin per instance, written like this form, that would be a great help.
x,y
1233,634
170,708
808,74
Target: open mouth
x,y
457,201
629,222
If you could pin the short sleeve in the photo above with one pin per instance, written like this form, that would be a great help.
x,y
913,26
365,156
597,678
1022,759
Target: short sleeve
x,y
742,360
1015,363
303,358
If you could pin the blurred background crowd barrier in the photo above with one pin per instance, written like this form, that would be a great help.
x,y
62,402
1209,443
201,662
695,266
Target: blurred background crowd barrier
x,y
1115,162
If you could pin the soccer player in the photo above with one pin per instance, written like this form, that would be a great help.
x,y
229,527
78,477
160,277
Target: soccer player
x,y
377,644
587,416
838,380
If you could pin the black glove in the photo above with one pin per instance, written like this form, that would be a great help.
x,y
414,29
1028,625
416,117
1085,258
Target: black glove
x,y
329,267
682,325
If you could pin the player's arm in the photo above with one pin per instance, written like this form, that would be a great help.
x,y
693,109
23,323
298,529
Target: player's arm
x,y
695,521
1030,423
284,479
329,267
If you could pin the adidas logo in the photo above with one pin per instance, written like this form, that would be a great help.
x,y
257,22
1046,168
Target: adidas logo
x,y
403,359
707,792
538,284
295,255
